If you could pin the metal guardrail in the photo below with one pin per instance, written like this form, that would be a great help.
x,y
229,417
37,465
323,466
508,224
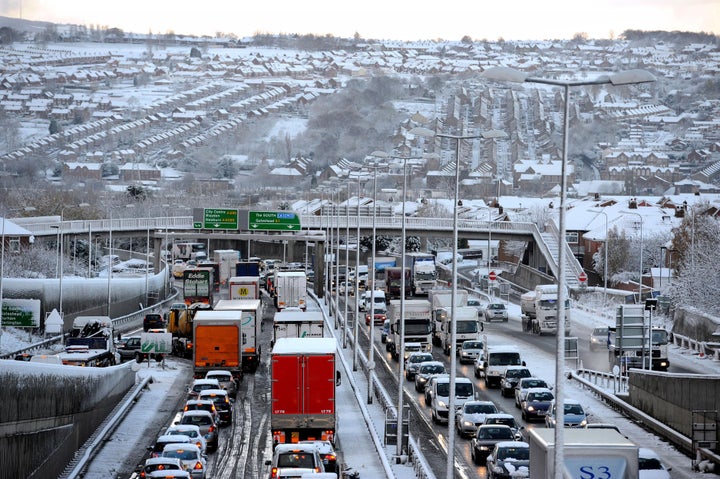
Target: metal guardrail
x,y
703,348
87,452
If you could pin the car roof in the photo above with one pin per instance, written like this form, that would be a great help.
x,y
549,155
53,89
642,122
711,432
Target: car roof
x,y
169,438
217,372
479,401
488,426
182,427
162,460
323,447
205,381
198,412
304,447
432,363
499,414
516,367
539,390
512,444
206,402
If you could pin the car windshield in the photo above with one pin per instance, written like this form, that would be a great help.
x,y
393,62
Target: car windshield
x,y
472,345
517,453
433,369
297,460
540,397
443,389
182,454
465,327
197,420
189,433
480,408
573,409
495,433
517,373
463,389
646,463
504,359
418,358
507,421
534,383
161,467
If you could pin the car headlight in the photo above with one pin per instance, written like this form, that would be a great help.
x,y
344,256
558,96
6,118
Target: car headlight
x,y
468,423
583,423
530,409
442,404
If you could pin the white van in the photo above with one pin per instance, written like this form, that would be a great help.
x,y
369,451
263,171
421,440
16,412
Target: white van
x,y
464,391
380,303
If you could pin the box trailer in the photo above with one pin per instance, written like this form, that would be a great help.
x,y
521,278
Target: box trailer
x,y
252,315
217,342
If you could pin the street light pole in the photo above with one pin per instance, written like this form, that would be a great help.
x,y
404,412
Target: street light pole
x,y
356,314
347,264
371,352
621,78
401,353
450,466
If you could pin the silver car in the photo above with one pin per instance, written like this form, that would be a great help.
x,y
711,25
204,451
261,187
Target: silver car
x,y
425,371
470,351
471,415
226,380
206,422
413,363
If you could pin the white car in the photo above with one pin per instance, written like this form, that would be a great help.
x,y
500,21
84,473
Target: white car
x,y
471,415
294,460
470,350
191,457
191,431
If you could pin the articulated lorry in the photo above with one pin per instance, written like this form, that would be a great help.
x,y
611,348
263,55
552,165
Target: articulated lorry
x,y
252,314
217,342
539,310
631,345
467,326
302,391
417,322
441,301
423,272
198,286
393,281
90,343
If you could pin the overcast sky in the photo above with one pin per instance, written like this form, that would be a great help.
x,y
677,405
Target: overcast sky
x,y
382,19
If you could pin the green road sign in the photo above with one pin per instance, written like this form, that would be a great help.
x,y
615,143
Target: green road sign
x,y
219,219
21,313
273,220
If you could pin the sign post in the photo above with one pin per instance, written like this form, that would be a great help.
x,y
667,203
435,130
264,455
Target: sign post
x,y
492,276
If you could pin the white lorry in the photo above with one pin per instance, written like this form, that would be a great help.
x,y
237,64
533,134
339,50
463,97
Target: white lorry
x,y
423,272
290,290
252,314
226,259
467,326
539,310
590,453
417,323
298,324
244,287
440,301
630,344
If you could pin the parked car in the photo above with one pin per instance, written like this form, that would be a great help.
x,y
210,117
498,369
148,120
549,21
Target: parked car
x,y
509,460
496,310
413,363
153,464
512,376
599,339
486,436
157,448
574,415
526,383
425,371
327,454
226,380
536,403
470,351
299,458
191,457
221,399
651,466
200,385
471,415
191,431
206,422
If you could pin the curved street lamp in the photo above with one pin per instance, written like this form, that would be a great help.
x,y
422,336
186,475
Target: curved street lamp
x,y
506,74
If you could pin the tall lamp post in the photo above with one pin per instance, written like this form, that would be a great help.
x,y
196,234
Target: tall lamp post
x,y
2,270
371,274
401,326
620,78
356,315
450,466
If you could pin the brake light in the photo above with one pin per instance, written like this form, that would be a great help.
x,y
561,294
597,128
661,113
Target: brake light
x,y
142,474
199,445
273,472
198,466
331,457
212,429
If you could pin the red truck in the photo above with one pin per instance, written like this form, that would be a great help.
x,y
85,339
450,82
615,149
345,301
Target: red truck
x,y
304,378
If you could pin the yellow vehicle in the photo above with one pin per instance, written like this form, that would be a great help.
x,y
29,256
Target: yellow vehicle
x,y
180,325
